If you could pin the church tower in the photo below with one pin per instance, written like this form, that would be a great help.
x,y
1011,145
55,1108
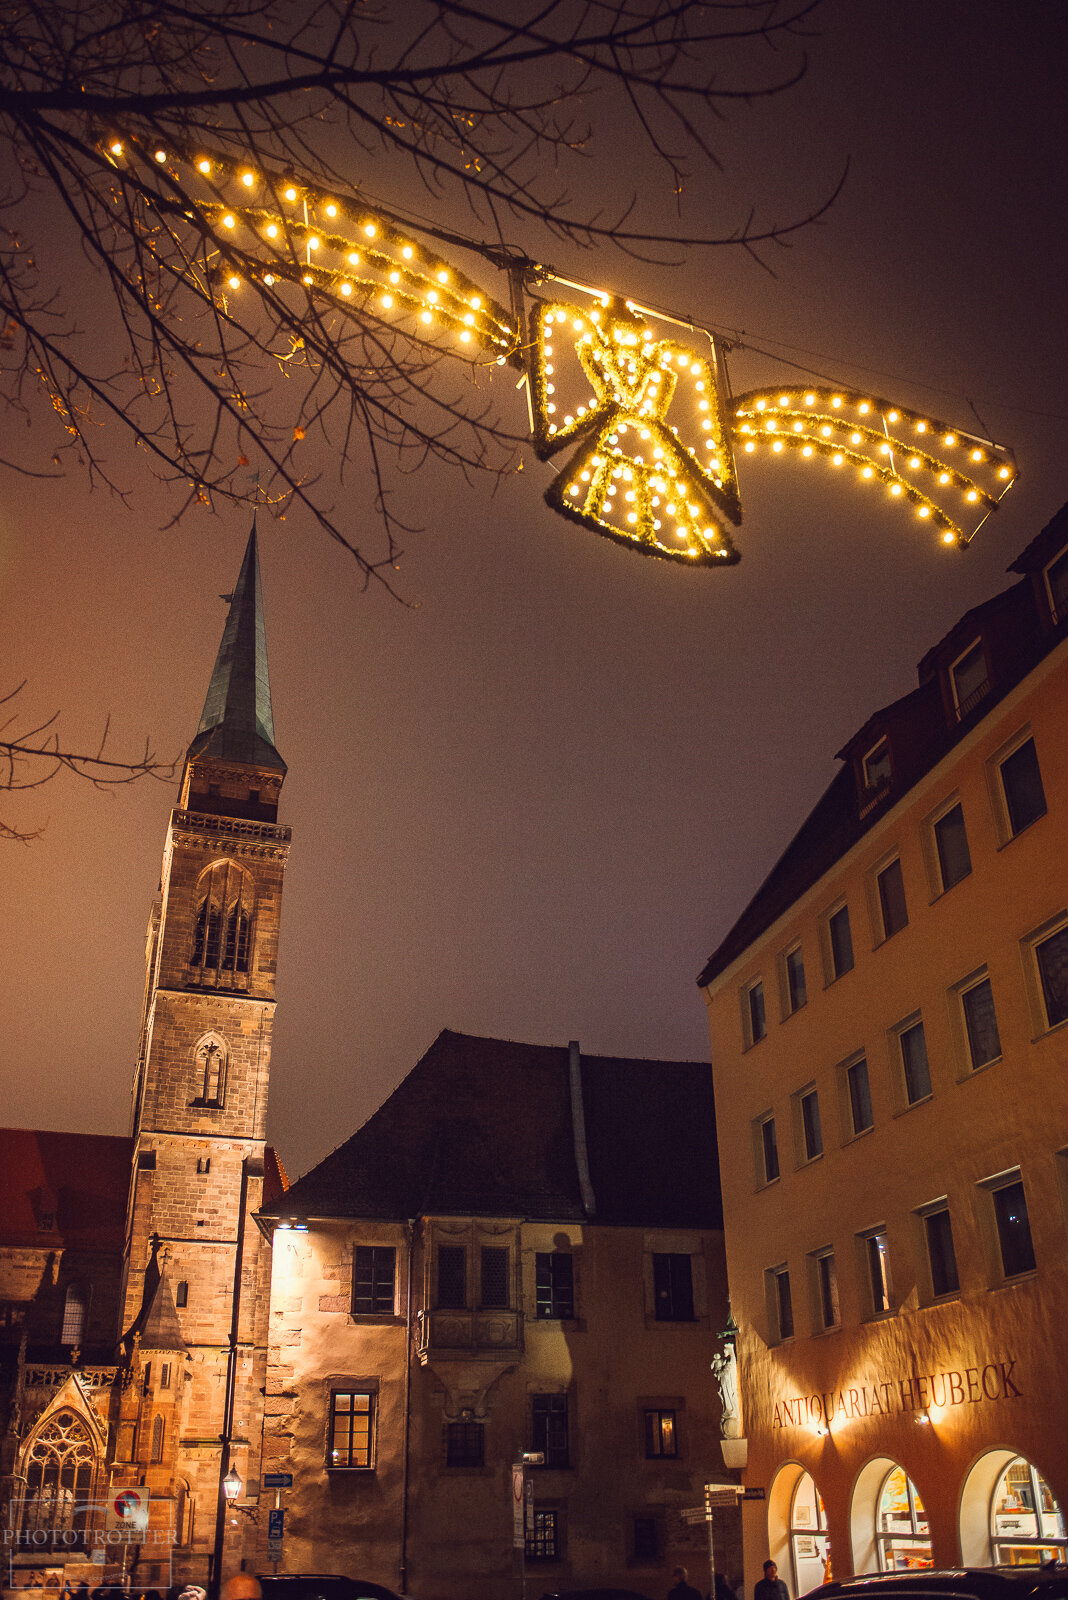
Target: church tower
x,y
196,1268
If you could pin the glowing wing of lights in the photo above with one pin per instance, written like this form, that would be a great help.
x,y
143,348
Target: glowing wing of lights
x,y
633,477
271,231
884,443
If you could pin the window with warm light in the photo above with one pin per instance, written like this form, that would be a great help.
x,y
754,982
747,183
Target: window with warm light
x,y
352,1414
809,1544
902,1536
1026,1523
661,1434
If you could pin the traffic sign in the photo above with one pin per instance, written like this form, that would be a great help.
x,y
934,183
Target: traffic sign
x,y
278,1480
276,1527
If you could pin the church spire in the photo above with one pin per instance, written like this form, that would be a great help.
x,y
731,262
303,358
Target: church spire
x,y
237,724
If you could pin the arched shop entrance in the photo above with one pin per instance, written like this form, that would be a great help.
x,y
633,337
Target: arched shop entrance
x,y
797,1529
1008,1514
888,1523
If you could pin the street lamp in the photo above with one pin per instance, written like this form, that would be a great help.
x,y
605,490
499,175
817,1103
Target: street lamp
x,y
232,1485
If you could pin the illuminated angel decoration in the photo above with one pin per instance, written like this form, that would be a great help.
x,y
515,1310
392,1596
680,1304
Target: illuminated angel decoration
x,y
633,478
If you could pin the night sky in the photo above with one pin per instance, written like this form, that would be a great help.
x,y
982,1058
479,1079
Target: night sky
x,y
531,803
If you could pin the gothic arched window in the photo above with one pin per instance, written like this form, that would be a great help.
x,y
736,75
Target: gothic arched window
x,y
222,925
182,1508
209,1072
60,1468
157,1439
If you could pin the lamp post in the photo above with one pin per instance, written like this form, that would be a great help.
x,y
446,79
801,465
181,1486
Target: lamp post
x,y
232,1485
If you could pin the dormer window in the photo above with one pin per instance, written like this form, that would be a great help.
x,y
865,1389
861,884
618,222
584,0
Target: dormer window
x,y
876,765
1057,585
969,679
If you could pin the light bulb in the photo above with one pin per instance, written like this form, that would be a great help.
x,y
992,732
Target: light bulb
x,y
161,155
248,179
291,194
204,166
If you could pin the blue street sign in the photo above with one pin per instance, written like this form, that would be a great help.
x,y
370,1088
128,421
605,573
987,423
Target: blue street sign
x,y
276,1524
278,1480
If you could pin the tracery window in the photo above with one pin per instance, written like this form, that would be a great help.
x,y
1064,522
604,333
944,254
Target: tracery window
x,y
209,1072
60,1467
222,927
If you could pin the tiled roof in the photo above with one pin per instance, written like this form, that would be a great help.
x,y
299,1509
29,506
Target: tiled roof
x,y
78,1180
483,1127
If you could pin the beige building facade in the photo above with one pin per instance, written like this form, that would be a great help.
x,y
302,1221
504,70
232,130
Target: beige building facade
x,y
502,1262
889,1028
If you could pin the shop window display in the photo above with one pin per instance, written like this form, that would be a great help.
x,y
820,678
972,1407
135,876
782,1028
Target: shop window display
x,y
1026,1523
809,1545
902,1535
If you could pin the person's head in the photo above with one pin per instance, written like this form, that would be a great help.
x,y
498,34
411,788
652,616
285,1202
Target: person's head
x,y
680,1575
242,1586
771,1570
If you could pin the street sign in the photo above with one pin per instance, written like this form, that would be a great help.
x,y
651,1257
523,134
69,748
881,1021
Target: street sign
x,y
278,1480
518,1534
276,1527
755,1493
127,1514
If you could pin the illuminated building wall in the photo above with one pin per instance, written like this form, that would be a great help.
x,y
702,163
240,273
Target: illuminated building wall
x,y
889,1028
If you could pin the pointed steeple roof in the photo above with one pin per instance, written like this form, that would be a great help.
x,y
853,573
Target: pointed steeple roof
x,y
156,1323
237,723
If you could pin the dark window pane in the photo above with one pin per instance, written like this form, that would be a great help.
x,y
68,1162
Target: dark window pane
x,y
859,1096
771,1149
549,1428
841,942
914,1061
494,1276
877,765
827,1279
74,1310
464,1444
981,1024
554,1284
951,841
758,1022
646,1542
372,1279
892,899
1014,1229
970,682
1052,956
672,1288
181,1294
1022,782
941,1253
452,1275
661,1434
795,979
784,1305
1057,578
810,1122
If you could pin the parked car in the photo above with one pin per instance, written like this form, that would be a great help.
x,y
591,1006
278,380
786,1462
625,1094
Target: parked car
x,y
1049,1582
321,1586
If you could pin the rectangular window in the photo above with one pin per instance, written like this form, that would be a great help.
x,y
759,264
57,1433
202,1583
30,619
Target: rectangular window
x,y
878,1260
351,1429
827,1289
661,1434
917,1073
646,1539
542,1542
452,1275
165,1375
811,1132
940,1252
782,1303
769,1149
841,940
980,1023
951,843
203,1164
672,1287
554,1284
895,913
548,1428
859,1096
795,979
1021,782
756,1015
495,1295
969,677
1014,1229
876,765
1052,958
373,1279
464,1444
181,1294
